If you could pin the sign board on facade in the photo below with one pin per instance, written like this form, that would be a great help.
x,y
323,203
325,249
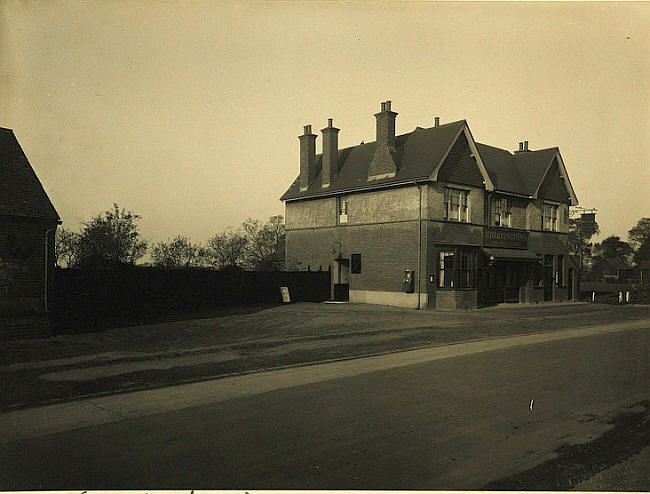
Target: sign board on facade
x,y
504,237
284,290
588,225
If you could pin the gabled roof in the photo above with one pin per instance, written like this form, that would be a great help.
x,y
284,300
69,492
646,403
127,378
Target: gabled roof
x,y
533,165
21,192
502,169
417,153
420,155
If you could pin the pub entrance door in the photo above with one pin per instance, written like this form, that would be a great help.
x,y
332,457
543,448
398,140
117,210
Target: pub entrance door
x,y
548,278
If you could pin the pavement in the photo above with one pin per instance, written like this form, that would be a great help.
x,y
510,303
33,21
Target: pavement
x,y
46,371
458,416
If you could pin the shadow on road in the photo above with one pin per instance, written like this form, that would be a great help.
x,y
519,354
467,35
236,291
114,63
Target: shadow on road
x,y
579,462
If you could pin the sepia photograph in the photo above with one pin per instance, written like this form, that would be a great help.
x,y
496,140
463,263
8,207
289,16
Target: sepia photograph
x,y
324,245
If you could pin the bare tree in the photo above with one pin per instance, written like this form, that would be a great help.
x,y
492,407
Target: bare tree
x,y
226,250
66,248
265,242
178,253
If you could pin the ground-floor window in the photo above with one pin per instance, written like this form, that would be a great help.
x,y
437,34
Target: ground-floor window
x,y
446,269
355,264
559,274
467,270
457,269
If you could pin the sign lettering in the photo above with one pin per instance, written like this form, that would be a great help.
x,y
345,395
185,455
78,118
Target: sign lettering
x,y
504,237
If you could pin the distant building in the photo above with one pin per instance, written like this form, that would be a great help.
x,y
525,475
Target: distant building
x,y
431,218
28,224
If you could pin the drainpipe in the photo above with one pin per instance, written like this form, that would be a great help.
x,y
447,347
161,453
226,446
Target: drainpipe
x,y
51,230
419,186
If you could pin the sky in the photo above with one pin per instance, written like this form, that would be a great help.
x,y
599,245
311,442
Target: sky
x,y
188,113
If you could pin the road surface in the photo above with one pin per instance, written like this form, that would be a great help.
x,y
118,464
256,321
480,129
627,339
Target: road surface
x,y
454,417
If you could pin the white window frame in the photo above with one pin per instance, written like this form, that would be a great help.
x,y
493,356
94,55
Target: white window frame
x,y
441,269
461,213
342,209
549,212
501,211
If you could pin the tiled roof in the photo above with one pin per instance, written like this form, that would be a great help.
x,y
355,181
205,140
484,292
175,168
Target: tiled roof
x,y
501,168
21,192
532,166
418,153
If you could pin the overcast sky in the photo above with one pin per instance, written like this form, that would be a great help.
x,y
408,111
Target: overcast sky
x,y
188,113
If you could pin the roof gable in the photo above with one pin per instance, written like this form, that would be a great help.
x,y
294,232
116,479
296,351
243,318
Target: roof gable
x,y
502,169
21,192
532,166
552,187
460,165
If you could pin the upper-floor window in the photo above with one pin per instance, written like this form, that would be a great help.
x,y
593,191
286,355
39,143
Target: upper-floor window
x,y
501,211
549,218
456,204
342,209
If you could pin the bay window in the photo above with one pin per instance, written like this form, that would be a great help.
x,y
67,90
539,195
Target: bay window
x,y
456,269
446,269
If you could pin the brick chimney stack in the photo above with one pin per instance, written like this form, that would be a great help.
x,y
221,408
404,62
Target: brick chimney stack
x,y
330,153
386,126
307,157
383,162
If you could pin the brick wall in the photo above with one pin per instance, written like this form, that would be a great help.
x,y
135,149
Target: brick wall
x,y
456,299
386,251
312,213
22,244
436,202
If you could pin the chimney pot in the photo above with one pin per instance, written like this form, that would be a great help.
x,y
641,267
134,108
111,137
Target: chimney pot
x,y
329,122
525,145
437,121
383,106
307,129
521,145
388,105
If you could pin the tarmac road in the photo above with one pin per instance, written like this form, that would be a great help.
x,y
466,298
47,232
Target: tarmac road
x,y
457,417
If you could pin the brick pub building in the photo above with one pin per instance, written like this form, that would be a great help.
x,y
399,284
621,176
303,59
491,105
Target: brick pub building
x,y
28,224
432,218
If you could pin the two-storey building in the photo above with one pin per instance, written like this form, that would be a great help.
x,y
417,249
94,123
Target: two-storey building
x,y
431,218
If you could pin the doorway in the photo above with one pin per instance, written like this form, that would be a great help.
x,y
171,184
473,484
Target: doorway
x,y
548,277
342,280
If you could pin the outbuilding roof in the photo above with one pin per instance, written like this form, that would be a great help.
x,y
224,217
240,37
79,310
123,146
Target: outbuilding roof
x,y
420,154
21,192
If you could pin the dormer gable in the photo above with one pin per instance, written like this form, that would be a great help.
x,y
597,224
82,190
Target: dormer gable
x,y
555,184
462,162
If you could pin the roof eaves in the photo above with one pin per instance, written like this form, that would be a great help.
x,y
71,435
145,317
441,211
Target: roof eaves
x,y
363,188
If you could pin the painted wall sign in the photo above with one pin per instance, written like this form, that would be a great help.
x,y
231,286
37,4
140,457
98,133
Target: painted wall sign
x,y
504,237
